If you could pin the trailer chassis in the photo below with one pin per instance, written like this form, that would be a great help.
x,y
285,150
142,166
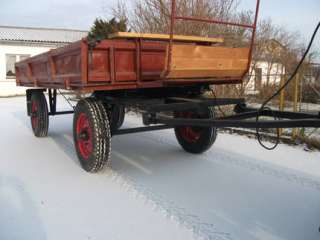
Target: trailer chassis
x,y
243,117
96,118
154,117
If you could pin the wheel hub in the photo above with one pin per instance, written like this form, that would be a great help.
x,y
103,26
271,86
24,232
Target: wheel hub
x,y
84,133
190,134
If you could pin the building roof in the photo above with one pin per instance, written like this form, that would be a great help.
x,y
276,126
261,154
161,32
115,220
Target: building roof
x,y
40,35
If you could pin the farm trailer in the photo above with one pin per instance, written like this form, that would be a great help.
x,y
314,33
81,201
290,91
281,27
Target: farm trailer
x,y
164,76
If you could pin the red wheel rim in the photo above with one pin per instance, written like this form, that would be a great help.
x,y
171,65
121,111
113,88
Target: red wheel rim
x,y
84,136
34,114
189,134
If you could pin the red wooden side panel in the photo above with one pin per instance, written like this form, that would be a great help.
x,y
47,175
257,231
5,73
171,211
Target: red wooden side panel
x,y
153,58
22,76
111,64
125,65
39,71
32,71
67,67
55,69
126,62
99,66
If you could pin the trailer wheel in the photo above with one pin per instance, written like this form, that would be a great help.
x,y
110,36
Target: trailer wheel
x,y
91,132
196,139
116,116
39,114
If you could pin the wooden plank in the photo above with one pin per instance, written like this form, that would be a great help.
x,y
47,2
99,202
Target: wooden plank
x,y
189,61
112,65
205,74
199,63
153,36
188,51
30,74
52,66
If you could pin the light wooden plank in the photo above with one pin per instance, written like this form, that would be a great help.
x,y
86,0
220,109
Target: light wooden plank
x,y
189,51
189,61
205,74
198,63
165,37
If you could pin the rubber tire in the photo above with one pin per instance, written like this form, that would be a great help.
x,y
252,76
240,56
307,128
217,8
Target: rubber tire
x,y
121,116
205,141
41,130
116,116
101,136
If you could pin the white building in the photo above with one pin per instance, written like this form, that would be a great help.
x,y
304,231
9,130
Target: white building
x,y
18,43
264,72
267,69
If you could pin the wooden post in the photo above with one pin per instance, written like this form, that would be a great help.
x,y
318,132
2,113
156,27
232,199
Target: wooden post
x,y
281,100
295,102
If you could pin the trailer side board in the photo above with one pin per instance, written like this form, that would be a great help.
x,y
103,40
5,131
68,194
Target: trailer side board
x,y
131,63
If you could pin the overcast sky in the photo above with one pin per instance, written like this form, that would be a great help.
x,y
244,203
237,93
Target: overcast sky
x,y
296,15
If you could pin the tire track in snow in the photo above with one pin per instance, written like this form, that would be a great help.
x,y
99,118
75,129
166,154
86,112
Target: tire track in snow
x,y
201,230
247,164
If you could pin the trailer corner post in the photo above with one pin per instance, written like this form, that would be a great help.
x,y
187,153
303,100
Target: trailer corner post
x,y
172,23
253,37
84,62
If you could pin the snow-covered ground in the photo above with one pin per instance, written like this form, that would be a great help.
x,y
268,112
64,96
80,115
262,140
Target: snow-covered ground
x,y
237,190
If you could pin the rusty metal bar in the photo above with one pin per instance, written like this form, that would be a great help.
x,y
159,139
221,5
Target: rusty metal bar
x,y
141,129
253,37
213,21
138,43
174,18
170,121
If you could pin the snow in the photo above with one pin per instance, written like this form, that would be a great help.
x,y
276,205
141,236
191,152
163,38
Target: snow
x,y
154,190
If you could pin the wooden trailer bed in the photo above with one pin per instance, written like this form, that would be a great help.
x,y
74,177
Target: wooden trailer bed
x,y
130,60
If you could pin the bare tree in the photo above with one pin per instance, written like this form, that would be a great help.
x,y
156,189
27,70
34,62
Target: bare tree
x,y
153,16
274,44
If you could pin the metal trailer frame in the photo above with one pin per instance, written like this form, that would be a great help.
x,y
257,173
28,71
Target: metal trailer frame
x,y
155,112
156,117
174,18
